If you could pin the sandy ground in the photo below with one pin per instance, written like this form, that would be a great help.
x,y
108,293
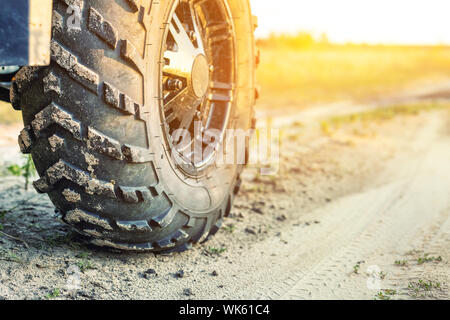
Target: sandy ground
x,y
362,213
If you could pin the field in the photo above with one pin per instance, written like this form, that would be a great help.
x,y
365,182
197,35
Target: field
x,y
300,72
301,76
7,114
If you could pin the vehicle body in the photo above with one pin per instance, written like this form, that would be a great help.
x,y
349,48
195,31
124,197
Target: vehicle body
x,y
25,38
126,106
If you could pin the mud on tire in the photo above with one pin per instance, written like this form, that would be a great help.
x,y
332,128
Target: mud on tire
x,y
94,127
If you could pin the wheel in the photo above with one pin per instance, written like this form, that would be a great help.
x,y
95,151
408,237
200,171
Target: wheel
x,y
107,123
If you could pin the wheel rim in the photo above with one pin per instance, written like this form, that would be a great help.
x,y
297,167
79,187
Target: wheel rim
x,y
197,81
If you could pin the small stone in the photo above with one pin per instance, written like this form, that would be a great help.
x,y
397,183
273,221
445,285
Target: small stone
x,y
257,210
150,273
180,274
250,231
214,273
188,292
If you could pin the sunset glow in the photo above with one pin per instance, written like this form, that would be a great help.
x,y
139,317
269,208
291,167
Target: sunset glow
x,y
367,21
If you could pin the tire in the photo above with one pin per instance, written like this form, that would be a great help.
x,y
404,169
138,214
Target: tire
x,y
94,127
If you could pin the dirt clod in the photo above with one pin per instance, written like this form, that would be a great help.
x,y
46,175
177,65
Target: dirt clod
x,y
250,231
188,292
180,274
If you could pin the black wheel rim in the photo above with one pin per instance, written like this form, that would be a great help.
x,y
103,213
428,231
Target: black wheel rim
x,y
197,81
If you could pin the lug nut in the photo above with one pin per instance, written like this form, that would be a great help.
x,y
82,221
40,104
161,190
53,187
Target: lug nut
x,y
174,84
193,36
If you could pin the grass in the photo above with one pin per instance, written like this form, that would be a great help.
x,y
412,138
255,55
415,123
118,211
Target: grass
x,y
382,275
85,263
300,71
385,294
54,294
299,76
426,258
8,255
8,115
422,288
401,263
381,114
26,170
357,266
230,228
57,239
216,251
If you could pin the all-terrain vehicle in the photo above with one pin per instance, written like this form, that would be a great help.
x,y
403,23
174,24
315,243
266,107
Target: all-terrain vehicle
x,y
110,89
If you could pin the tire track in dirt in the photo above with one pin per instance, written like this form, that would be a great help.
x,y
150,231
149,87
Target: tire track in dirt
x,y
394,216
297,246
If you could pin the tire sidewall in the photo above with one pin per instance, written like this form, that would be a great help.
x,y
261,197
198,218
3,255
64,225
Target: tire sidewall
x,y
199,195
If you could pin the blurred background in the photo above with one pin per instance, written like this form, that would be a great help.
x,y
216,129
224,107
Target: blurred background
x,y
346,53
315,52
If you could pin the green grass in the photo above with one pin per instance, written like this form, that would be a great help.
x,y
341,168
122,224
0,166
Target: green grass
x,y
385,294
357,267
426,258
401,263
422,288
27,170
229,228
57,239
85,263
54,294
216,251
8,255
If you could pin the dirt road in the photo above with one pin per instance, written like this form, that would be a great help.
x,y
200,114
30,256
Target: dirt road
x,y
360,212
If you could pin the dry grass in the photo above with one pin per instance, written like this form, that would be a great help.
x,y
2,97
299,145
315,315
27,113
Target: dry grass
x,y
301,71
301,76
8,115
332,124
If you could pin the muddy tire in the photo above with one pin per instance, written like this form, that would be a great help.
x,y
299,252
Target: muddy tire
x,y
97,123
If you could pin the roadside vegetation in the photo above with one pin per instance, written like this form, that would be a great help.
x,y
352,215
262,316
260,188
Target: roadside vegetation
x,y
24,169
8,115
330,125
300,70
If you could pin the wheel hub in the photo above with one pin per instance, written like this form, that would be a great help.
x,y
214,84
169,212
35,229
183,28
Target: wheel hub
x,y
198,79
200,76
